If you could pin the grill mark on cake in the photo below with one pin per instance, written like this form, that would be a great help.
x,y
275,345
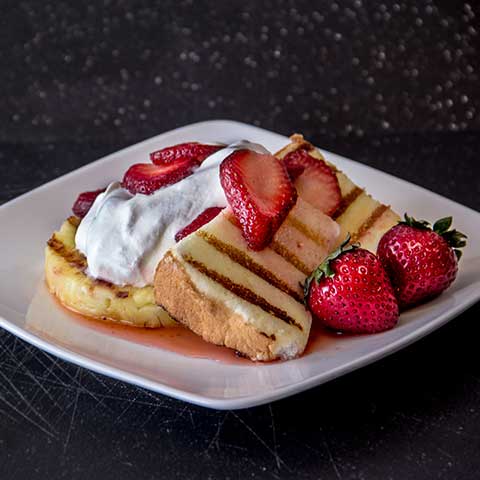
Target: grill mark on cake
x,y
347,200
74,221
243,292
305,230
289,257
78,261
367,224
104,283
280,250
72,256
241,258
271,337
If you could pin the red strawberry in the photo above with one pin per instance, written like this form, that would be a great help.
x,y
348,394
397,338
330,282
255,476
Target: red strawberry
x,y
193,151
314,180
421,262
200,221
351,292
260,193
84,202
146,178
297,161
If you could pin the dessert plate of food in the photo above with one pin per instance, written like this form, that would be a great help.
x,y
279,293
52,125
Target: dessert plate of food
x,y
229,266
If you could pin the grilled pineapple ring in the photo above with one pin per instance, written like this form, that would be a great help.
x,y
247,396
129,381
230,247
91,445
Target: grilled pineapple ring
x,y
65,275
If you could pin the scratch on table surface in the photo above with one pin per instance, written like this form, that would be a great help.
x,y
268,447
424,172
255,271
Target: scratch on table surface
x,y
274,436
190,413
152,414
216,436
26,417
56,364
234,447
441,450
125,410
438,424
16,363
29,374
72,418
275,454
181,413
30,407
98,379
330,455
39,388
4,413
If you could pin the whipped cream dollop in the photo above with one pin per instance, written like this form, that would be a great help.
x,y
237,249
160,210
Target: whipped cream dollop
x,y
124,236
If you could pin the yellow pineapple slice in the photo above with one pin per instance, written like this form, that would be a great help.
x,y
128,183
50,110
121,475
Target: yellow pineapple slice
x,y
65,274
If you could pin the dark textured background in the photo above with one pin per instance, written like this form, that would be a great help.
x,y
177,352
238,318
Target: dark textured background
x,y
391,84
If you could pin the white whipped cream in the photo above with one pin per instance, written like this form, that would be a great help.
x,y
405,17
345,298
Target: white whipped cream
x,y
124,236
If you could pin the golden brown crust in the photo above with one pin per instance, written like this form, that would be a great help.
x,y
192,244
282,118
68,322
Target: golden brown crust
x,y
297,142
206,316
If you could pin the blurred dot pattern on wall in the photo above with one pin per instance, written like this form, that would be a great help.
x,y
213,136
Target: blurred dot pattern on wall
x,y
334,69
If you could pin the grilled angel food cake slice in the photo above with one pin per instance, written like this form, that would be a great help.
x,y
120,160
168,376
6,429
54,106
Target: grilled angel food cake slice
x,y
65,275
251,301
365,218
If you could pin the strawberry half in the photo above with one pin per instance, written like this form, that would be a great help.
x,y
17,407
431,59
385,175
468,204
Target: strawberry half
x,y
351,292
421,261
200,221
84,202
314,180
193,151
260,193
146,178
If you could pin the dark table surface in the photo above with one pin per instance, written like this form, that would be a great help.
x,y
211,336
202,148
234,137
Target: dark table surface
x,y
390,84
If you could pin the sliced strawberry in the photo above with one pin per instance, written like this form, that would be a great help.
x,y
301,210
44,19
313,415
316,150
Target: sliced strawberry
x,y
146,178
314,180
84,202
297,161
260,193
200,221
193,151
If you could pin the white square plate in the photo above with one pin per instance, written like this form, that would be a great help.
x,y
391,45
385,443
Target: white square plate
x,y
28,311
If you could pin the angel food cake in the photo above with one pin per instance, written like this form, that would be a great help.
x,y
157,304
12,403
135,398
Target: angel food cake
x,y
218,238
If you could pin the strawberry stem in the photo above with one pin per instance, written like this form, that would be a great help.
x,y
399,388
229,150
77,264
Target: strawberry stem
x,y
324,270
412,222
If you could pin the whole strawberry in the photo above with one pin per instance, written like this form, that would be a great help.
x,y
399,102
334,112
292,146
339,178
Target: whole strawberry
x,y
422,262
351,292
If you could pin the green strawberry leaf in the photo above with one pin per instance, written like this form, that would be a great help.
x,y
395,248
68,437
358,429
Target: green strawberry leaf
x,y
442,225
455,238
324,270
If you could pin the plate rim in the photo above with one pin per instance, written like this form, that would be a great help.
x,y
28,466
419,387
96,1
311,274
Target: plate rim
x,y
249,400
240,402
